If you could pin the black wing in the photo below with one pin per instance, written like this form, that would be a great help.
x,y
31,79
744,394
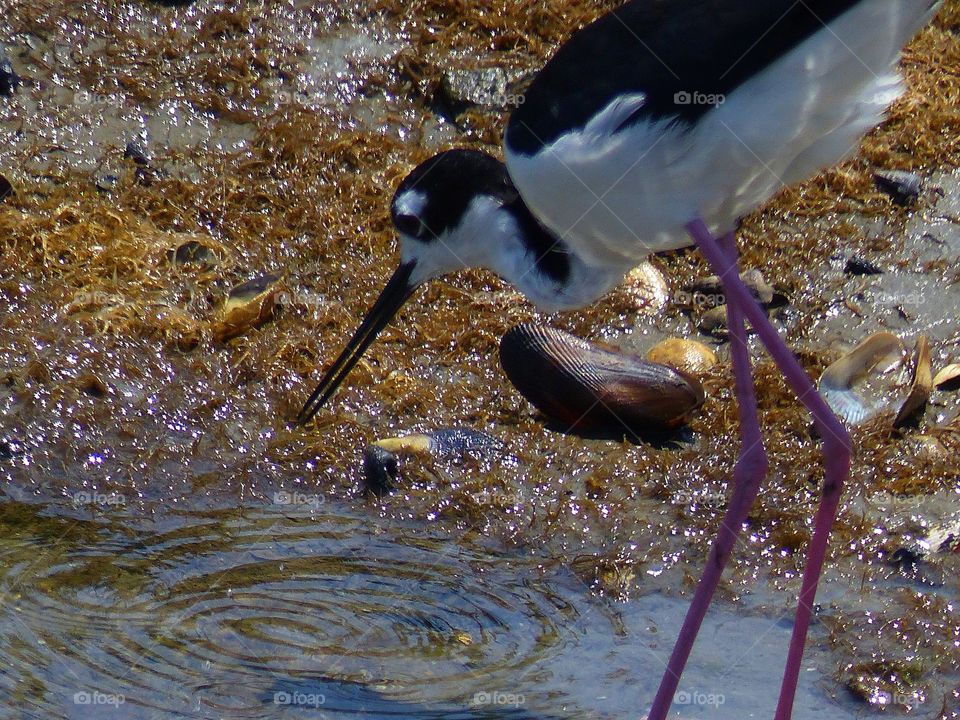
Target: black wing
x,y
664,49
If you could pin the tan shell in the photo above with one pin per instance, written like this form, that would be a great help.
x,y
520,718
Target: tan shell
x,y
585,387
249,305
920,387
689,356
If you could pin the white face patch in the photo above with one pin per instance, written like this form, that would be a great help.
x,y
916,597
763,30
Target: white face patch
x,y
411,202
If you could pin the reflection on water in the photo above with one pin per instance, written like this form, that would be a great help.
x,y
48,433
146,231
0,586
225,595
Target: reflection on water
x,y
257,614
260,613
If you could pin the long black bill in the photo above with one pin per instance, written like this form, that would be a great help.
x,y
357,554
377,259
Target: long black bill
x,y
396,292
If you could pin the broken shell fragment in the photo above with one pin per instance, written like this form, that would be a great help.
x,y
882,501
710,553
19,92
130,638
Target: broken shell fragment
x,y
899,185
836,383
920,387
192,251
381,461
248,305
689,356
948,378
588,388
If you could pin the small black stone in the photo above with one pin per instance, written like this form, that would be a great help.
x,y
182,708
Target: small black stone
x,y
859,266
137,153
6,189
380,470
9,80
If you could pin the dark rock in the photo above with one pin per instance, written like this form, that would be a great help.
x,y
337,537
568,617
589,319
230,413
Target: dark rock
x,y
136,152
858,266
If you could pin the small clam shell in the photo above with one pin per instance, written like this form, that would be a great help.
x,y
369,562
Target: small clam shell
x,y
922,384
711,289
588,388
248,305
836,382
714,322
647,288
689,356
948,378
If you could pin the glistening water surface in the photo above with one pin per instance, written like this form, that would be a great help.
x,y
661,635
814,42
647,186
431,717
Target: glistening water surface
x,y
327,611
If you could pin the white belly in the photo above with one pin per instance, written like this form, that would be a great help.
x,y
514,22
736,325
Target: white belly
x,y
615,198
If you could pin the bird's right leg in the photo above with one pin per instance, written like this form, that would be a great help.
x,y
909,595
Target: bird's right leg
x,y
748,473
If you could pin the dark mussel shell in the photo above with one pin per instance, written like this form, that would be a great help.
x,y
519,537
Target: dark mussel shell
x,y
590,389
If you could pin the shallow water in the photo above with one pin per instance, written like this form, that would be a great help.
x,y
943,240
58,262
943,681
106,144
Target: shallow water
x,y
264,611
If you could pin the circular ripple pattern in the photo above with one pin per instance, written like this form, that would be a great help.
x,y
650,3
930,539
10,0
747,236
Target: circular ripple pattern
x,y
221,615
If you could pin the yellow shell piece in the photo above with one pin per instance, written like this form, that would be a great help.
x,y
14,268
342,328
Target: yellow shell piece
x,y
409,443
688,355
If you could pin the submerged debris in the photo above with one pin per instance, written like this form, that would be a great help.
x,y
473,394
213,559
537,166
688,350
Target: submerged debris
x,y
9,80
193,251
381,461
708,291
714,322
587,388
857,265
493,87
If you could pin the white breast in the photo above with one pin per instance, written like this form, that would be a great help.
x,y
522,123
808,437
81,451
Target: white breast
x,y
616,198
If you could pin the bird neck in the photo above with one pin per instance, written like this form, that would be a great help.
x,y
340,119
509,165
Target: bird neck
x,y
539,264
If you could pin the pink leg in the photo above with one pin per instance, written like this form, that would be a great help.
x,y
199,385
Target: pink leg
x,y
836,449
749,472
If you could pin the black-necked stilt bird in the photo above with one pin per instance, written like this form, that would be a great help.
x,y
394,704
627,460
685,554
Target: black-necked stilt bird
x,y
657,127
